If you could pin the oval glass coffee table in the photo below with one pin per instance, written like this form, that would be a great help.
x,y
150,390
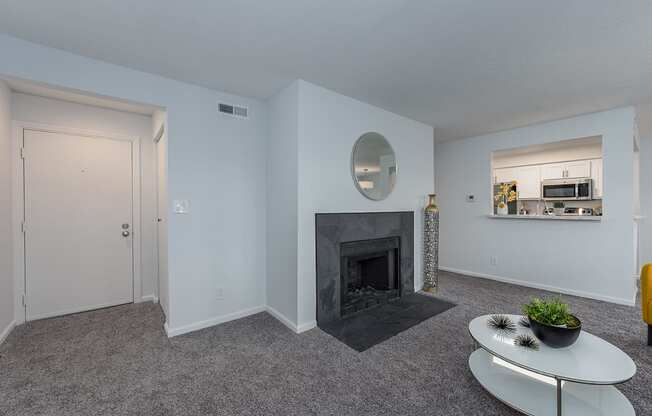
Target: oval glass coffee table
x,y
577,380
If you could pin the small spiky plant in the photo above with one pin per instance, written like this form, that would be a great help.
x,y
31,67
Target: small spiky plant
x,y
526,341
501,323
524,321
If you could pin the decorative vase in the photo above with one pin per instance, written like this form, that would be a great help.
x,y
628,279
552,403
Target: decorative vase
x,y
502,209
556,336
431,245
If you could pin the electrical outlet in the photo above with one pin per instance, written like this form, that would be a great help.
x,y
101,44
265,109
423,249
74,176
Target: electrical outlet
x,y
219,293
493,260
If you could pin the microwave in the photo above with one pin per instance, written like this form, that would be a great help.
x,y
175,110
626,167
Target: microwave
x,y
567,189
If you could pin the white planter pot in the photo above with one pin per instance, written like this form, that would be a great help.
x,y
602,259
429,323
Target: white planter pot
x,y
502,211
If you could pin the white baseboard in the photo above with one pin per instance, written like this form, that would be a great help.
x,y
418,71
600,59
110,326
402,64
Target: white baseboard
x,y
282,318
149,298
195,326
287,322
306,326
5,332
573,292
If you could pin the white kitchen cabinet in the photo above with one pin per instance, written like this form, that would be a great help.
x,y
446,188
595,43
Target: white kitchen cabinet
x,y
553,171
579,169
504,175
528,182
596,175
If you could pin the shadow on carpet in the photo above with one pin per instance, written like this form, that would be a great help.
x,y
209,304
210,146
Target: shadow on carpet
x,y
368,328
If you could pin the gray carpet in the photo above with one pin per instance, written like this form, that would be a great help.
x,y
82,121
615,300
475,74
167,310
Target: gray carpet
x,y
118,361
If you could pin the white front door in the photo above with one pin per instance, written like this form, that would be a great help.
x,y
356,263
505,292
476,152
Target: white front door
x,y
78,195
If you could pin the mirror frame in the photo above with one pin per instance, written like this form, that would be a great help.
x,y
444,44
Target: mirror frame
x,y
355,178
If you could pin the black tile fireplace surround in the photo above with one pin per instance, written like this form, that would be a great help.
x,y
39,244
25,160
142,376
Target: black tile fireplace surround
x,y
363,260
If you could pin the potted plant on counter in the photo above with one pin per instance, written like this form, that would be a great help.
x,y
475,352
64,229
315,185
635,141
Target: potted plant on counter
x,y
504,195
558,208
552,322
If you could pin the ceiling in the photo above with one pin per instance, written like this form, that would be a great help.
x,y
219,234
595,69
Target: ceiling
x,y
466,67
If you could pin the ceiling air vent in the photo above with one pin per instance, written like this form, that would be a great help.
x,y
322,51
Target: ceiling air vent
x,y
233,110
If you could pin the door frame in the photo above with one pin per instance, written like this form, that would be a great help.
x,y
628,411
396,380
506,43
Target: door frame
x,y
157,138
18,212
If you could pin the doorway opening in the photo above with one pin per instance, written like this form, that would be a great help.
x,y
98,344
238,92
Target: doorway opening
x,y
85,201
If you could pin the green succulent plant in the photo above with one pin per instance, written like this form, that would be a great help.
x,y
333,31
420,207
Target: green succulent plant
x,y
550,312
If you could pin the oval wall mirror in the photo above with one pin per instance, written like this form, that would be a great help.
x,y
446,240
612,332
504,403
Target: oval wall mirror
x,y
373,165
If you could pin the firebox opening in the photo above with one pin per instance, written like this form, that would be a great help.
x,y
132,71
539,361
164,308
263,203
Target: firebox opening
x,y
370,274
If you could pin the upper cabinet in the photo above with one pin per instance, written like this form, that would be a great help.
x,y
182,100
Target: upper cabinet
x,y
504,175
553,171
578,169
596,175
528,182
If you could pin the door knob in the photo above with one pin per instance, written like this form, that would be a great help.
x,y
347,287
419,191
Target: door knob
x,y
125,233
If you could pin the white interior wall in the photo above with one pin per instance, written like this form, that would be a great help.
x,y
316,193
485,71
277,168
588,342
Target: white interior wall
x,y
592,259
6,234
214,161
329,125
34,109
282,205
218,164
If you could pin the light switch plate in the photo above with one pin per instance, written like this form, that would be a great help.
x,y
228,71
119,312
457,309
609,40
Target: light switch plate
x,y
181,206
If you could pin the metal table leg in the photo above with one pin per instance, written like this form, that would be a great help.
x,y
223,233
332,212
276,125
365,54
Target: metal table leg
x,y
558,397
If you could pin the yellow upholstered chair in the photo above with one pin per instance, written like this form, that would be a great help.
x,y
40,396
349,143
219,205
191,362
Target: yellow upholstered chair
x,y
646,299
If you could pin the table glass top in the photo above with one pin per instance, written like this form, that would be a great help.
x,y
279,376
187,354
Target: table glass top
x,y
590,360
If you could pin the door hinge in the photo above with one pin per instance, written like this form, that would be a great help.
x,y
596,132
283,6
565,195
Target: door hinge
x,y
23,227
24,301
22,153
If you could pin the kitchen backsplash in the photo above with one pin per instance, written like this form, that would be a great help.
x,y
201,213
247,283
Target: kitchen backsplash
x,y
537,207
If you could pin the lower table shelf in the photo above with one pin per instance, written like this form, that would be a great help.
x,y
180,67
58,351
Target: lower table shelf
x,y
536,395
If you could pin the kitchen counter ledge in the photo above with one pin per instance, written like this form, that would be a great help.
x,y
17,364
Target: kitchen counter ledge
x,y
547,217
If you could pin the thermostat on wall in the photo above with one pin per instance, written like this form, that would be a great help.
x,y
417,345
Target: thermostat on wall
x,y
181,206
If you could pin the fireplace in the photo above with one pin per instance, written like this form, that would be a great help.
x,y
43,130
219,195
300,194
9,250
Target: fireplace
x,y
364,260
370,274
365,277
